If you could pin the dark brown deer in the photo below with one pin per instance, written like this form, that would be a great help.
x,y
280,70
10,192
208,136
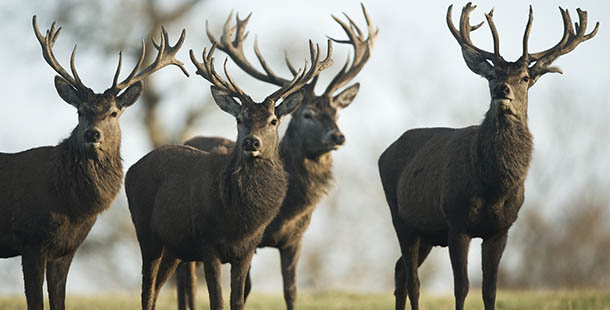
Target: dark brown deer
x,y
52,195
305,149
191,205
445,186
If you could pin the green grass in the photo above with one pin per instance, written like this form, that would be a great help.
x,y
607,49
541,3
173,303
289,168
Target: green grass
x,y
521,300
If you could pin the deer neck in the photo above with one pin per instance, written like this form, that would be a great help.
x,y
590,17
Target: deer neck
x,y
90,182
503,151
309,178
253,190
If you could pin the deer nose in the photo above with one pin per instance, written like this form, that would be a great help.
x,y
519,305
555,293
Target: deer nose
x,y
92,135
338,138
502,91
251,143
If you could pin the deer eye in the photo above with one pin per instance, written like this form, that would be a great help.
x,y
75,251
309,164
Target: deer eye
x,y
525,79
114,114
274,122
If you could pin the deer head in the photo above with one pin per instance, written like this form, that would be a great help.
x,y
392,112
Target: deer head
x,y
314,121
509,82
98,113
257,123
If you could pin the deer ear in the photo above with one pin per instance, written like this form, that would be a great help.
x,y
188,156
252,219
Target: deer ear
x,y
343,99
130,95
225,101
289,104
67,92
476,62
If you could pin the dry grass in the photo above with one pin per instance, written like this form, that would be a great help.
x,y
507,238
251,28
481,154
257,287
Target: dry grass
x,y
522,300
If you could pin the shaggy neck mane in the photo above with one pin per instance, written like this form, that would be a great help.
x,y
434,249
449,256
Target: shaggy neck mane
x,y
89,181
309,178
504,147
253,190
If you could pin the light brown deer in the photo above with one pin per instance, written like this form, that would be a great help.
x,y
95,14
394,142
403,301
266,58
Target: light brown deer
x,y
191,205
305,149
445,186
50,196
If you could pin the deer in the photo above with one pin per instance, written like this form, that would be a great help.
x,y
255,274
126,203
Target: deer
x,y
191,205
51,195
445,186
305,150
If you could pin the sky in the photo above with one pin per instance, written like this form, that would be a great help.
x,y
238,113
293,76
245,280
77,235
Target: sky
x,y
416,77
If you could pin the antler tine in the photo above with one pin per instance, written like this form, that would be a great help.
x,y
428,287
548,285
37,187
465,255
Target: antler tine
x,y
234,86
207,71
526,34
362,50
46,43
289,65
572,36
463,34
73,69
165,57
234,48
304,76
494,32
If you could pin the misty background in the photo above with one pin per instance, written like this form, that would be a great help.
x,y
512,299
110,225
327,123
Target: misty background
x,y
416,77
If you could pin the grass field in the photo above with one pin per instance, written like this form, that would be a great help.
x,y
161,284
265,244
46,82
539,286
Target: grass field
x,y
521,300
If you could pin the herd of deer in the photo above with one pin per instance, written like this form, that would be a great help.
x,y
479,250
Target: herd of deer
x,y
215,201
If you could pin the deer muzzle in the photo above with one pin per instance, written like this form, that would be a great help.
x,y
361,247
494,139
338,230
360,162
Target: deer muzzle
x,y
251,146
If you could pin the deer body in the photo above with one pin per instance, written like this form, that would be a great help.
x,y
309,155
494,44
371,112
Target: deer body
x,y
226,211
446,186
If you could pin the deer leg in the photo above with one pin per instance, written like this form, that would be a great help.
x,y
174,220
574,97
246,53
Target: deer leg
x,y
289,258
186,284
410,258
424,250
167,266
492,250
400,284
211,268
400,281
33,261
458,252
239,271
248,285
191,285
151,257
57,274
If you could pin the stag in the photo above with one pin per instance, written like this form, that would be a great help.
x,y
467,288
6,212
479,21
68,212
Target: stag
x,y
445,186
191,205
51,195
306,148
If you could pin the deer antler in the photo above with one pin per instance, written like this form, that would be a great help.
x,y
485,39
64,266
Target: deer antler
x,y
165,56
47,42
463,35
234,48
570,39
300,79
362,50
207,71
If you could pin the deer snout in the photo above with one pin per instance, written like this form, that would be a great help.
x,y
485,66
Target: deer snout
x,y
251,145
92,135
337,137
502,91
